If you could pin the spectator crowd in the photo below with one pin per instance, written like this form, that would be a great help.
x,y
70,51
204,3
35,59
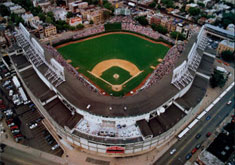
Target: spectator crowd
x,y
167,65
89,31
70,68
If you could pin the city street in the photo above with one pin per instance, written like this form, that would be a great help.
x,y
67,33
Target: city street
x,y
218,113
14,156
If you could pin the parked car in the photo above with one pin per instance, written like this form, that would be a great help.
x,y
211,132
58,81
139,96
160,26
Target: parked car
x,y
11,92
2,146
229,102
17,139
51,141
208,118
49,138
2,107
45,132
39,119
8,117
31,105
198,136
208,134
173,151
55,147
6,83
194,150
7,74
9,87
198,146
14,127
1,116
33,125
188,156
15,131
11,124
18,135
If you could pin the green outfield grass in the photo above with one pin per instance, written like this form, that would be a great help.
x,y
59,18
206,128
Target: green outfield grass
x,y
140,52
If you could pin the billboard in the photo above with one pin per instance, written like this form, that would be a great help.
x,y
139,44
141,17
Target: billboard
x,y
75,21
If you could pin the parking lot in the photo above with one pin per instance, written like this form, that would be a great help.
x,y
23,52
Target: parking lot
x,y
22,117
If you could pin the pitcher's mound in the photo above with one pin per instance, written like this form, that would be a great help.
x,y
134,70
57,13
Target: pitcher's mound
x,y
116,76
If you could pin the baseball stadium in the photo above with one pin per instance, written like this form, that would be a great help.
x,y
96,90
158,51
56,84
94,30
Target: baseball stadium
x,y
115,93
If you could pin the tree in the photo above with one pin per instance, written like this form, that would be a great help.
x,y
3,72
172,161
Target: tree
x,y
182,9
91,22
42,16
194,11
69,14
72,28
108,5
4,11
177,35
154,26
159,6
159,28
162,29
142,20
16,19
80,26
227,56
152,5
168,3
90,2
218,79
50,14
10,25
201,4
106,14
48,20
227,19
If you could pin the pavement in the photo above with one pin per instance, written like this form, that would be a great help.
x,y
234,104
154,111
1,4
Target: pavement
x,y
15,156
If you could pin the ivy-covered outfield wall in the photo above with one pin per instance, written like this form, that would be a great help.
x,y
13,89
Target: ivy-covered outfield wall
x,y
113,26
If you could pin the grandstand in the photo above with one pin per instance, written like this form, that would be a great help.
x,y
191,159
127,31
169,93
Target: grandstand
x,y
131,125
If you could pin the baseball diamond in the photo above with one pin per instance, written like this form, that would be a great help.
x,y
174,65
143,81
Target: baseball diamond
x,y
130,55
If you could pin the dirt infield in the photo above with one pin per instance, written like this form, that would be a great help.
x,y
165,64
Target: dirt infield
x,y
124,64
98,70
100,35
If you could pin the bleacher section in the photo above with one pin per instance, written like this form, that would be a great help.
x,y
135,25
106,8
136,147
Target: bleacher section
x,y
206,65
35,54
194,58
182,76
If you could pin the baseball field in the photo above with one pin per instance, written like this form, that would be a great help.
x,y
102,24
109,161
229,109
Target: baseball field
x,y
115,62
